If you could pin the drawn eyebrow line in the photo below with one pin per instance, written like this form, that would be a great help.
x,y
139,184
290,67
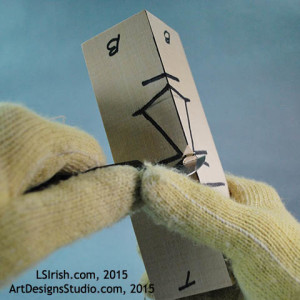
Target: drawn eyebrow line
x,y
158,77
201,152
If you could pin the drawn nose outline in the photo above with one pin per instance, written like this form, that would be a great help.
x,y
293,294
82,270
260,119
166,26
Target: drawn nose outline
x,y
143,111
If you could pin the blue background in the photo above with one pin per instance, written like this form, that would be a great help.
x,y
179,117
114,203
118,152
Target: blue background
x,y
244,56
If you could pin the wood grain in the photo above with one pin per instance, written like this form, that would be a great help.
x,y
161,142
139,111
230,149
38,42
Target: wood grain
x,y
123,84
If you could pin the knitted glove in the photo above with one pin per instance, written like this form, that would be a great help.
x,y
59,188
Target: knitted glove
x,y
253,228
34,224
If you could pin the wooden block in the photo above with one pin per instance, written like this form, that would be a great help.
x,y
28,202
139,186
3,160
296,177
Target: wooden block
x,y
152,112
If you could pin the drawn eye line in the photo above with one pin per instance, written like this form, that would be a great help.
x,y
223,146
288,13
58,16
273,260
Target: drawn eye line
x,y
214,184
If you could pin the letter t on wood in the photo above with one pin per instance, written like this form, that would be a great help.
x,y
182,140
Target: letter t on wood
x,y
151,111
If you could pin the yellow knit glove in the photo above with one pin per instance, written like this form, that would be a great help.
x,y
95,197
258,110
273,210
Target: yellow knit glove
x,y
253,228
34,224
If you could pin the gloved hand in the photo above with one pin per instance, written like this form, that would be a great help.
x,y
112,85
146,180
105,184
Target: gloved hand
x,y
34,224
253,228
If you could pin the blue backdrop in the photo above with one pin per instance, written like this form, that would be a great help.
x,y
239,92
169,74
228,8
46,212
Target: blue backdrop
x,y
244,56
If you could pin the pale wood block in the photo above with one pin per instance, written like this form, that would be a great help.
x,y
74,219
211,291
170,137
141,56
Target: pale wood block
x,y
151,111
